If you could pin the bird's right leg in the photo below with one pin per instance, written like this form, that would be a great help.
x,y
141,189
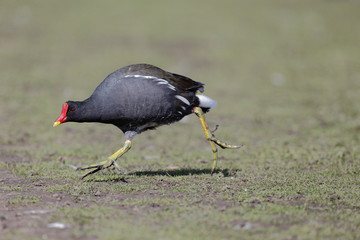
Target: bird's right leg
x,y
111,159
211,138
129,135
109,162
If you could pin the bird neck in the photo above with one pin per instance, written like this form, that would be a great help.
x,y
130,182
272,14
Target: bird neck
x,y
87,111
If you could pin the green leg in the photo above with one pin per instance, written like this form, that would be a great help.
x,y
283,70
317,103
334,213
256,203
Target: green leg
x,y
211,138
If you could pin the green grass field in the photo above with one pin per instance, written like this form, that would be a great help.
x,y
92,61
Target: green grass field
x,y
286,75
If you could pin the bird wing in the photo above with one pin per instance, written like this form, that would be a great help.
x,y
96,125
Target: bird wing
x,y
180,82
135,98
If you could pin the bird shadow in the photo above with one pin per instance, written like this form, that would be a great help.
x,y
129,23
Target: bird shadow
x,y
181,172
168,173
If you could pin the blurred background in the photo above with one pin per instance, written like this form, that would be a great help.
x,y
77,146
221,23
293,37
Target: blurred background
x,y
285,74
281,71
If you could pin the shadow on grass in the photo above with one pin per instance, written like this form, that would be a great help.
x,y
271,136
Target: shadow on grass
x,y
169,173
181,172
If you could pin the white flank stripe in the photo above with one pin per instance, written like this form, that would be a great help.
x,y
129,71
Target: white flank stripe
x,y
162,81
159,80
140,76
180,112
184,100
184,108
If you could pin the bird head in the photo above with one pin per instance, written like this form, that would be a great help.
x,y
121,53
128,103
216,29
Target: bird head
x,y
68,110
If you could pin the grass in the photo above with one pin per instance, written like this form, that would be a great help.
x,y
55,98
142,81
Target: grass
x,y
27,199
286,78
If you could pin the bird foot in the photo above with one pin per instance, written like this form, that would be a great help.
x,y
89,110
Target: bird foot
x,y
223,145
110,161
99,166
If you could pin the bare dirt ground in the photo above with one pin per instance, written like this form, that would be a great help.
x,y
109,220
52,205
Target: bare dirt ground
x,y
31,219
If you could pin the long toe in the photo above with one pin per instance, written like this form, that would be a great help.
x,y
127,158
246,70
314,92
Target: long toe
x,y
224,145
101,165
91,172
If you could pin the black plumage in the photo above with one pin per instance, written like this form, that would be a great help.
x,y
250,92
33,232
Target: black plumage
x,y
137,98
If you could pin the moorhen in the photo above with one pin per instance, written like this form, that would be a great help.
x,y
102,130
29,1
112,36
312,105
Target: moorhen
x,y
139,97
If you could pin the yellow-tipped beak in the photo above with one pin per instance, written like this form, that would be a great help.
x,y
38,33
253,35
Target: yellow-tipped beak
x,y
56,124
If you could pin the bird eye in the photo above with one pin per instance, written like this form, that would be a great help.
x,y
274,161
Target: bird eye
x,y
72,109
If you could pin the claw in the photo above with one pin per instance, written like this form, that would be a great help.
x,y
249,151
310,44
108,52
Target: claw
x,y
216,128
70,166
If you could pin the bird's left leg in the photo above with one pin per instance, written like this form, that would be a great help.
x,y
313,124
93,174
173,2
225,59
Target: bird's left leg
x,y
111,159
211,138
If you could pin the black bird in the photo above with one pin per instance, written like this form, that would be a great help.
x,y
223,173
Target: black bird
x,y
139,97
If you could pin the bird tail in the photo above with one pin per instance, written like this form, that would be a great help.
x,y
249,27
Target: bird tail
x,y
206,103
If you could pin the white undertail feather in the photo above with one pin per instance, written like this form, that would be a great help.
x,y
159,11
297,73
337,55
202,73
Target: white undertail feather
x,y
206,102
